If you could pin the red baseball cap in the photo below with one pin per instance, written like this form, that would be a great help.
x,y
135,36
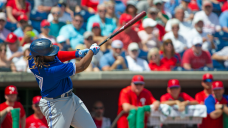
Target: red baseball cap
x,y
217,85
173,83
44,23
36,99
138,79
95,24
207,77
11,38
125,18
11,89
22,17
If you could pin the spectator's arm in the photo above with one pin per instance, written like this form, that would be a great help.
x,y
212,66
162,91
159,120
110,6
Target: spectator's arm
x,y
108,68
127,107
13,68
16,54
10,15
216,113
3,113
225,29
23,121
162,17
42,8
156,105
217,57
171,102
187,66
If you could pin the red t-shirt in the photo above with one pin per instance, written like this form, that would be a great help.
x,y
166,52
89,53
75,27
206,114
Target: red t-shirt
x,y
90,3
98,123
161,67
127,38
16,12
225,6
160,28
33,122
193,5
172,62
182,97
128,96
196,62
7,122
201,96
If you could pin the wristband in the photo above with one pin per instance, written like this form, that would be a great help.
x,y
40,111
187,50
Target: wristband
x,y
77,53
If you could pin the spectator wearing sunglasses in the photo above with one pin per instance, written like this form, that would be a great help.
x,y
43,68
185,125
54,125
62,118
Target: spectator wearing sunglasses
x,y
55,24
98,115
36,120
159,5
5,64
134,96
195,58
174,96
3,31
45,29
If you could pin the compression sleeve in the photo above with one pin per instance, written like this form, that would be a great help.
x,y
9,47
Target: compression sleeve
x,y
66,55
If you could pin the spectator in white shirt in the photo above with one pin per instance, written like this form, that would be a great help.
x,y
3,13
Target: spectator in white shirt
x,y
149,36
188,14
135,63
184,26
179,42
210,19
198,31
22,64
222,55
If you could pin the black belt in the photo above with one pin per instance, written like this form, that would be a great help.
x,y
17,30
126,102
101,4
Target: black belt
x,y
65,95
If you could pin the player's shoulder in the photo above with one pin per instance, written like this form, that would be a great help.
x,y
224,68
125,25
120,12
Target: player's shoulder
x,y
30,118
146,91
18,105
3,106
165,95
199,93
126,89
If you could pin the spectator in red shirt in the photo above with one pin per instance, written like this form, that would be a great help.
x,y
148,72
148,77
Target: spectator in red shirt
x,y
155,62
28,35
15,8
176,97
195,57
90,5
134,96
128,35
5,107
98,116
36,120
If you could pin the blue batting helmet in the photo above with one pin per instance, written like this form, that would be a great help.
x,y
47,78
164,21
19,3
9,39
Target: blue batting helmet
x,y
43,47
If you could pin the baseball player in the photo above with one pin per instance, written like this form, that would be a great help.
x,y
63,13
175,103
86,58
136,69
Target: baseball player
x,y
36,120
5,115
59,105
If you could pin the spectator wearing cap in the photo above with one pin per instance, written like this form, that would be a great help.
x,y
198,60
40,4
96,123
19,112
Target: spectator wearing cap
x,y
128,35
195,57
107,25
3,31
158,4
179,41
11,103
15,8
222,55
188,14
134,62
207,85
223,21
73,32
55,23
149,36
5,64
36,120
114,59
198,31
28,35
174,96
23,21
216,104
43,6
45,30
22,64
210,19
134,96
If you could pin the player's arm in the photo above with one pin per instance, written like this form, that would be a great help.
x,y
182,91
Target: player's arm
x,y
171,102
127,107
69,55
23,121
3,113
187,66
216,113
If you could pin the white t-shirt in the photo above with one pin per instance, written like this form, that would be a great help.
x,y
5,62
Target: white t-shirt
x,y
210,22
65,18
152,42
179,44
184,27
9,53
96,58
138,65
223,52
22,66
53,41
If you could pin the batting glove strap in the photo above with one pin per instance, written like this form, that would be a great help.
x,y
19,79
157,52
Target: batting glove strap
x,y
81,53
95,48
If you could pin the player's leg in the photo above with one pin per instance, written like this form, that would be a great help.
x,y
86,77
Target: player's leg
x,y
82,117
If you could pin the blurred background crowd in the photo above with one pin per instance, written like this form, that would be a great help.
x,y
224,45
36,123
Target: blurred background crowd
x,y
175,34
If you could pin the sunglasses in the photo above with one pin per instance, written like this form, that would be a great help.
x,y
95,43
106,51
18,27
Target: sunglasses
x,y
207,6
2,50
139,84
96,108
198,45
168,44
90,38
2,20
46,27
78,20
96,27
101,10
57,13
205,81
134,50
118,48
153,13
175,27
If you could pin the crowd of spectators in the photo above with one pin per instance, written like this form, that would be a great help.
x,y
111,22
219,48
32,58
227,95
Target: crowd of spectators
x,y
174,35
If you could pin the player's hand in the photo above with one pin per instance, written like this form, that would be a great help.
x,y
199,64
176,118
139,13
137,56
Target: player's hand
x,y
81,53
156,105
95,48
9,108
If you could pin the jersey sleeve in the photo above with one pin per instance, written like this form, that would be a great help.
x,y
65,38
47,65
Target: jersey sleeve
x,y
198,98
210,104
63,70
187,97
66,55
163,98
123,98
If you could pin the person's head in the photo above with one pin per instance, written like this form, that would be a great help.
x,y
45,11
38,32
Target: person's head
x,y
198,23
185,3
133,50
96,29
101,9
218,89
158,4
137,84
2,50
168,48
88,39
153,55
197,45
207,7
152,13
117,46
2,20
62,6
110,7
26,50
175,26
179,13
45,27
23,20
98,109
174,88
12,42
131,7
56,11
77,21
207,81
148,25
11,93
35,104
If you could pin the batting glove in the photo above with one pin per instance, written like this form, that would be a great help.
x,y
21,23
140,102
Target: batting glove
x,y
81,53
95,48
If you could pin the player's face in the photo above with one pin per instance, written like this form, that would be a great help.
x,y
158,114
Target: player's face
x,y
207,85
11,97
36,108
98,110
218,93
48,58
137,88
174,92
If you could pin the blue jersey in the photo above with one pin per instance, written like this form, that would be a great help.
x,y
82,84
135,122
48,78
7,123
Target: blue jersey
x,y
54,80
